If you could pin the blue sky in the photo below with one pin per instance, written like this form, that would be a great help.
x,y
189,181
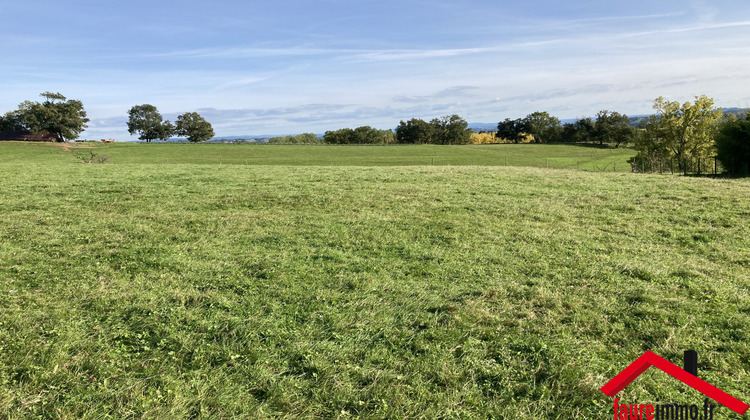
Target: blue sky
x,y
286,66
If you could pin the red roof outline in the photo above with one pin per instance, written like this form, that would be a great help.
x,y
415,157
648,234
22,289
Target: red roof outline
x,y
649,359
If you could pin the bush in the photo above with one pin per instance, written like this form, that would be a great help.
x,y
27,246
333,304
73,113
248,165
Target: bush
x,y
94,158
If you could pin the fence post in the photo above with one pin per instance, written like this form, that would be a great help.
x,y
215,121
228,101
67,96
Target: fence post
x,y
716,167
699,166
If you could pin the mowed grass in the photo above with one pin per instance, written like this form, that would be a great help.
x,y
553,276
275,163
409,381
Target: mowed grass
x,y
584,157
232,291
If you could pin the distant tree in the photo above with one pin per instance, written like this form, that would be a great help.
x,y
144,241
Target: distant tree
x,y
359,135
733,145
613,127
147,122
64,118
194,127
512,130
304,138
450,129
682,132
544,127
415,131
581,131
341,136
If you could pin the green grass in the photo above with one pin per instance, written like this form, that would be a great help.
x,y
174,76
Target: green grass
x,y
229,291
533,155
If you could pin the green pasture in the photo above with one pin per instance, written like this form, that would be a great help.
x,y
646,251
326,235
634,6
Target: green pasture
x,y
583,157
193,289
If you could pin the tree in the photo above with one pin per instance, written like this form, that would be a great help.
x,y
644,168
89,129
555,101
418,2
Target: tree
x,y
680,131
194,127
581,131
64,118
450,129
359,135
512,130
544,127
148,123
415,131
613,127
733,145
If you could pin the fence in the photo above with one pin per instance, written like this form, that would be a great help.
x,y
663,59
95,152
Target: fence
x,y
704,166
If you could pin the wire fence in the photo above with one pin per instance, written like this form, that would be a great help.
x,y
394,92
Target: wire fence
x,y
686,166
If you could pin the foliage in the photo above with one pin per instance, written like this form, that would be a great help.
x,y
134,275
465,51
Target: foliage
x,y
581,131
146,121
514,131
193,126
484,138
415,131
449,129
359,135
613,128
304,138
64,118
544,127
733,145
683,132
187,290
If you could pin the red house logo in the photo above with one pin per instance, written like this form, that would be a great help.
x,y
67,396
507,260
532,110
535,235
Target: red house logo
x,y
687,376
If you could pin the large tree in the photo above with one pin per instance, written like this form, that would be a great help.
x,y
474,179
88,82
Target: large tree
x,y
415,131
64,118
148,123
194,127
544,127
684,132
512,130
613,127
451,129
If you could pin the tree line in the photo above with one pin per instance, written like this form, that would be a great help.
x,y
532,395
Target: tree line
x,y
681,133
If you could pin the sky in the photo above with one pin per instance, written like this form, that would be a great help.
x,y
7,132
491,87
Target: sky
x,y
288,66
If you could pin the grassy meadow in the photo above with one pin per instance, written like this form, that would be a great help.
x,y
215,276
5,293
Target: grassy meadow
x,y
532,155
275,285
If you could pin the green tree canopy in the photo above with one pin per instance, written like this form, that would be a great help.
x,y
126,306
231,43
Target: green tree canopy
x,y
64,118
194,127
544,127
613,127
147,122
360,135
450,129
513,130
733,145
415,131
680,131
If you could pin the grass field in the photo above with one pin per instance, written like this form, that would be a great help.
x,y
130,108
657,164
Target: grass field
x,y
141,289
532,155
